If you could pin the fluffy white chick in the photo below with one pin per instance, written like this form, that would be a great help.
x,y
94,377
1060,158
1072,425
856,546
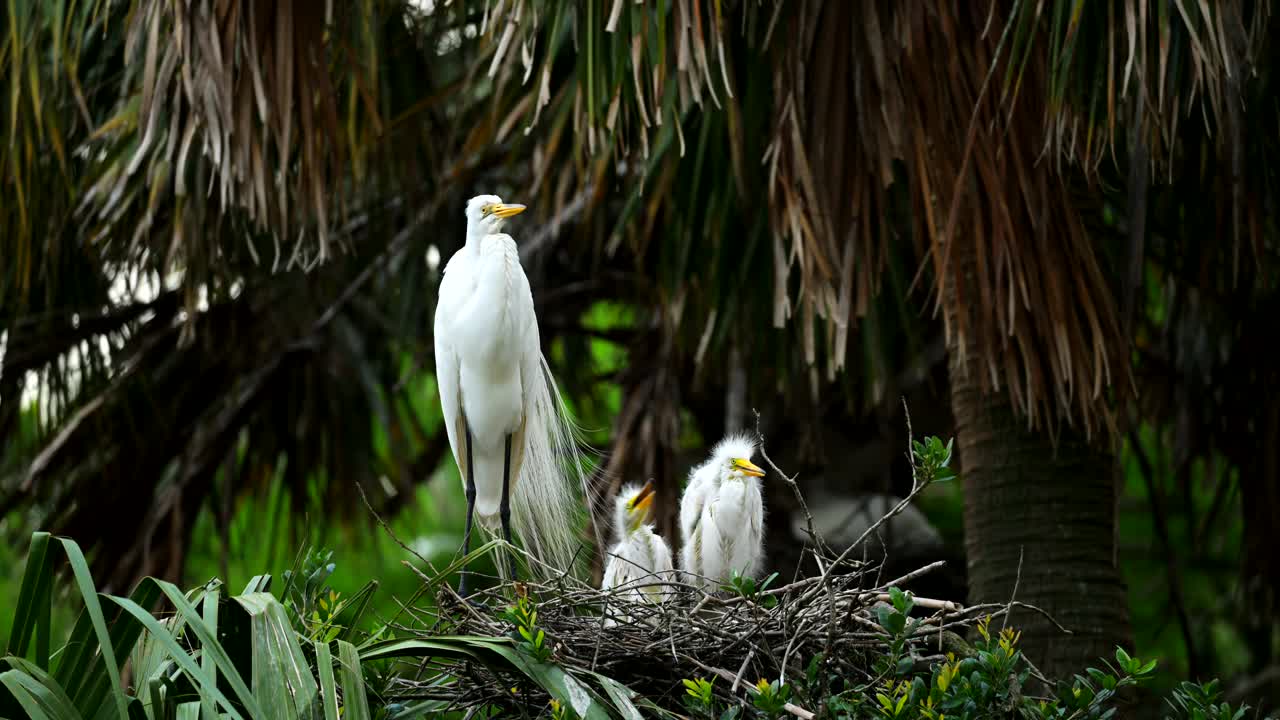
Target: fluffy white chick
x,y
640,557
722,516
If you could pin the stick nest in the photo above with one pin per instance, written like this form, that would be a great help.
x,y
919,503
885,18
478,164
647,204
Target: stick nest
x,y
833,624
831,621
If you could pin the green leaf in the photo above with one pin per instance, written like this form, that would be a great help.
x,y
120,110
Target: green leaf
x,y
188,664
904,665
355,704
80,569
14,682
37,579
559,684
621,695
40,686
82,669
210,617
353,610
328,688
282,681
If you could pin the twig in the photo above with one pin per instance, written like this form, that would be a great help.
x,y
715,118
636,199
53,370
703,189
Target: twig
x,y
742,669
1017,580
795,489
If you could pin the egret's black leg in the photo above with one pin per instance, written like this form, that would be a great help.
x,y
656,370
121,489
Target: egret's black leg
x,y
471,506
504,510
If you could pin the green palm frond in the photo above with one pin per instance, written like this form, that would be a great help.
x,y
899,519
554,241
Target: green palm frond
x,y
1183,63
266,109
188,360
209,655
651,100
953,103
823,219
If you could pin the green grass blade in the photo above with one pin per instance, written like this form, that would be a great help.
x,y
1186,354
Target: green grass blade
x,y
158,698
36,578
210,668
328,688
620,695
41,686
12,680
258,583
417,648
188,664
82,669
355,705
559,684
80,569
349,618
210,646
282,679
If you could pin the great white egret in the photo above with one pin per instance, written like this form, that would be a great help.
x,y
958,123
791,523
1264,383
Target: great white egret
x,y
640,555
513,443
722,515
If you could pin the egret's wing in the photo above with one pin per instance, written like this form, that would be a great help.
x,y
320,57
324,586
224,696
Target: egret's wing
x,y
691,508
708,544
616,566
749,550
447,380
661,555
453,289
702,480
662,566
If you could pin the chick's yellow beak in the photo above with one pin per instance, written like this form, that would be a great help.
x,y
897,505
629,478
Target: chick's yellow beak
x,y
507,210
747,467
644,498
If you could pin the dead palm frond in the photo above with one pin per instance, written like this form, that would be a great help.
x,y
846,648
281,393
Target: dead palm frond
x,y
157,353
958,104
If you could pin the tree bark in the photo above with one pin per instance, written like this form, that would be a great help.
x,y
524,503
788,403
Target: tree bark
x,y
1041,519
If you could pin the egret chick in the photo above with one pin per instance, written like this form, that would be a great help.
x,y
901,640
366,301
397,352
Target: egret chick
x,y
500,405
640,556
722,515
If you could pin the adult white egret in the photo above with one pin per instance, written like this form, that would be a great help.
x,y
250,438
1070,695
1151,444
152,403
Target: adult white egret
x,y
514,446
722,515
640,556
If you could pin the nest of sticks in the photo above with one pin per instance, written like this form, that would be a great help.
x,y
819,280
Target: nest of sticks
x,y
773,633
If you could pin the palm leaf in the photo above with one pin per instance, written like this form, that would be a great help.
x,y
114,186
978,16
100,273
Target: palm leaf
x,y
174,660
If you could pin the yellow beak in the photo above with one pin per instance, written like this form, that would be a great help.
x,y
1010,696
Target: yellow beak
x,y
644,498
748,468
507,210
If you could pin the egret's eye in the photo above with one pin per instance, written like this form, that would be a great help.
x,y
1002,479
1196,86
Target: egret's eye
x,y
486,209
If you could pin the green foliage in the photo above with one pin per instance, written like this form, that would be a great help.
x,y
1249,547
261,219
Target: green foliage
x,y
896,621
747,587
525,617
211,656
321,612
1197,701
253,656
932,459
699,696
771,697
992,679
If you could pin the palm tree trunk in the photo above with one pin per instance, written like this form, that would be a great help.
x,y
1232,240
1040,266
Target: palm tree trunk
x,y
1039,528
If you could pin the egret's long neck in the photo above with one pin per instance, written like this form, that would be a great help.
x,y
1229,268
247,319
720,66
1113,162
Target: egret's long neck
x,y
484,325
475,235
